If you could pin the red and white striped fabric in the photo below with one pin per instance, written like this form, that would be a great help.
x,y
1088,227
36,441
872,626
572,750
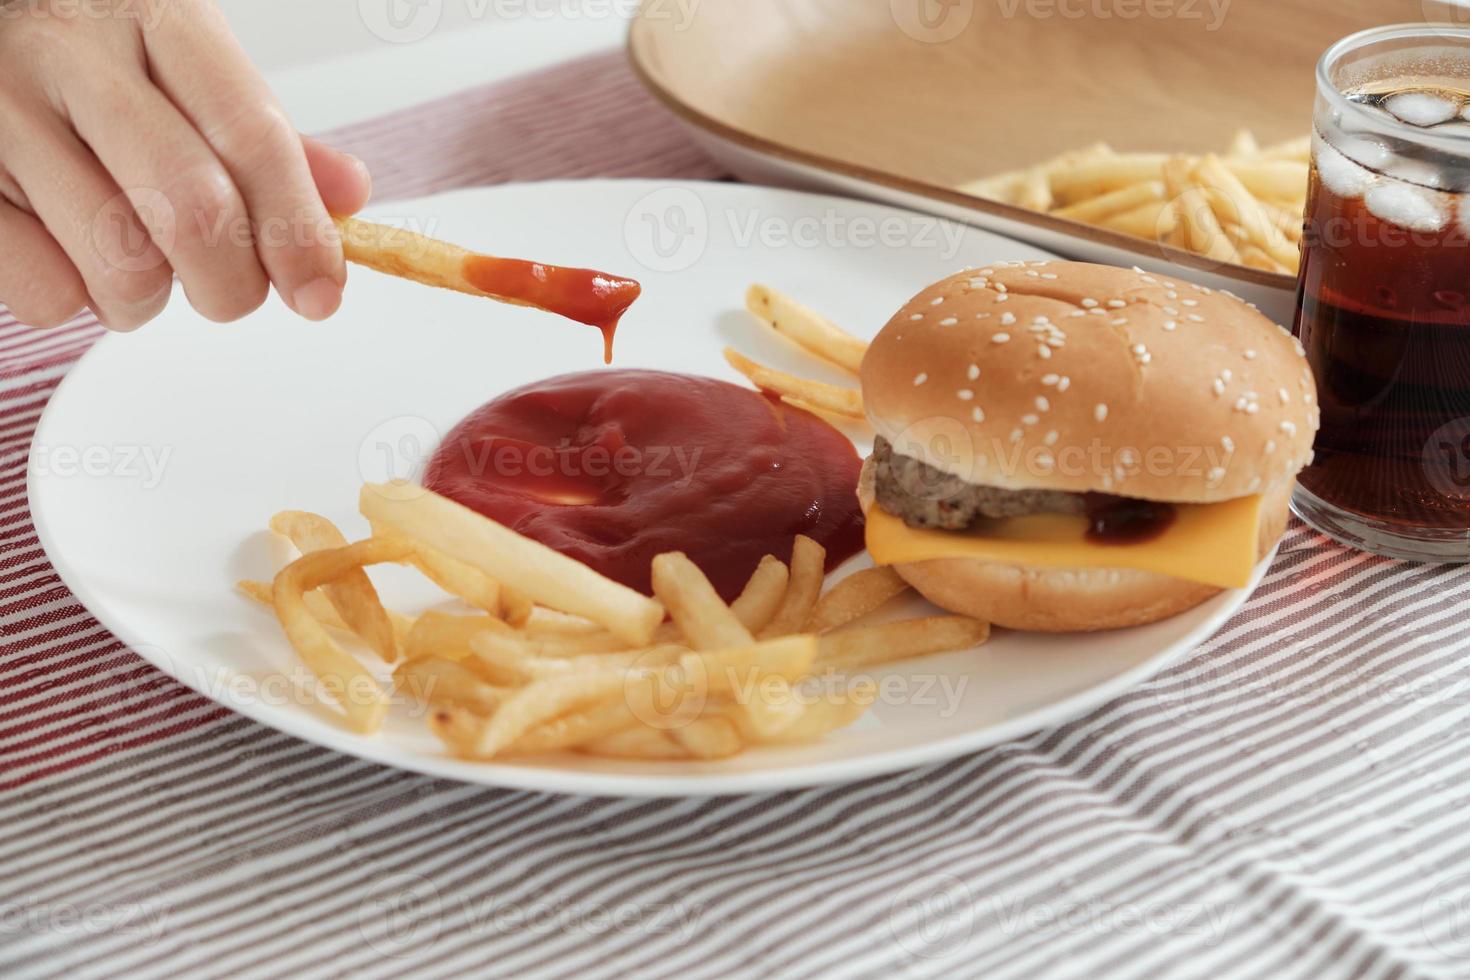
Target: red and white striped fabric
x,y
1288,802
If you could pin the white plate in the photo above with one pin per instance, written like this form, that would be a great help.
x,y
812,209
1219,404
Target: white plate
x,y
164,453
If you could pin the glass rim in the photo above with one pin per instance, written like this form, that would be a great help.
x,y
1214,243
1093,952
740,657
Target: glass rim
x,y
1427,30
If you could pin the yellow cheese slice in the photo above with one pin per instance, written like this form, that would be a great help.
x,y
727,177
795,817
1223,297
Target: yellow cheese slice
x,y
1210,543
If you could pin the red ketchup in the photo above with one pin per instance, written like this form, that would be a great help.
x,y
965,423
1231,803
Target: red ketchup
x,y
615,467
585,295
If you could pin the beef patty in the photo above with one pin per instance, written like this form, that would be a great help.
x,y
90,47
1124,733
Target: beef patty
x,y
927,497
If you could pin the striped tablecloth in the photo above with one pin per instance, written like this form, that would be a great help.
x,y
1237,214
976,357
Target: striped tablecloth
x,y
1290,801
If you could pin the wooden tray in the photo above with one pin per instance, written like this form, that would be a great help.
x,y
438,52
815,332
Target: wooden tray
x,y
863,97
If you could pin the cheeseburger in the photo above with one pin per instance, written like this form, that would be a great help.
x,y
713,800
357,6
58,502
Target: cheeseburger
x,y
1063,446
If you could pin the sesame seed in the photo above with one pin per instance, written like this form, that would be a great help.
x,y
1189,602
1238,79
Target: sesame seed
x,y
1007,319
982,316
1195,318
936,301
1307,398
1042,404
1284,395
1052,437
1002,298
1216,475
1250,355
1116,304
1045,461
1191,302
1000,287
1219,387
949,321
1034,275
1107,481
1122,321
1252,408
1171,310
1077,313
977,413
1170,325
917,317
1064,384
920,378
1254,485
1048,275
1289,428
966,395
1140,349
1100,413
1270,446
1050,379
1226,375
1030,419
973,372
1017,435
1228,444
1089,303
1171,294
1044,352
1056,340
1098,312
1000,338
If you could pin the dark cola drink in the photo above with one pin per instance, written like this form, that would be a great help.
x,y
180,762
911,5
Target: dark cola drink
x,y
1384,317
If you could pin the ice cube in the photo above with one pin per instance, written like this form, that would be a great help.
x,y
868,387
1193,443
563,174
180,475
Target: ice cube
x,y
1416,172
1409,207
1422,108
1365,151
1342,176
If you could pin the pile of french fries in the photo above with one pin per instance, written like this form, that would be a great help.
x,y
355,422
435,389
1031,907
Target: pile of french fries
x,y
550,656
1243,206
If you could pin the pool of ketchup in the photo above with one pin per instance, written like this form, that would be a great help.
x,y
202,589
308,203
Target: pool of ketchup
x,y
616,467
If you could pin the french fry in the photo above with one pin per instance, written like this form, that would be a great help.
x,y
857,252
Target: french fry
x,y
409,255
808,568
1254,257
447,636
353,595
515,606
1117,202
1279,180
1155,222
867,646
1104,174
1006,187
436,681
831,398
636,743
1234,203
361,699
552,623
1035,192
459,579
322,609
1297,150
696,608
757,603
1203,232
823,715
1243,144
600,721
709,738
855,597
807,329
1286,218
547,577
535,704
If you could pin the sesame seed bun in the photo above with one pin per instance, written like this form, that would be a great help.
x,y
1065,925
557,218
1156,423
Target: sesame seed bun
x,y
1072,600
1077,377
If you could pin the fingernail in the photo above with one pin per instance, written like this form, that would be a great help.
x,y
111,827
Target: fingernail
x,y
318,299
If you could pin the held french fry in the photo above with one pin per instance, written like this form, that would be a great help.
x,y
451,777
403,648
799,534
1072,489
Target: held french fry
x,y
353,595
806,328
362,700
547,577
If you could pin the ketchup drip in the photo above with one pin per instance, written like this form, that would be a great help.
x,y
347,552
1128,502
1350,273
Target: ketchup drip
x,y
585,295
615,467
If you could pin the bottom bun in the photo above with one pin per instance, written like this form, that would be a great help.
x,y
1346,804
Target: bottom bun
x,y
1072,600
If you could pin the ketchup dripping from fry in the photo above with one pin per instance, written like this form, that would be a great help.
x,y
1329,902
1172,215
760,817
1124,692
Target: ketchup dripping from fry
x,y
585,295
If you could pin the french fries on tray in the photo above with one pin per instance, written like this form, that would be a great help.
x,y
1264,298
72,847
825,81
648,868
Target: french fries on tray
x,y
1242,207
577,662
